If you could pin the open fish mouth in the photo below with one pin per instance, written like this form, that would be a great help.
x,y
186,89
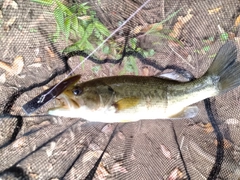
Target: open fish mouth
x,y
67,102
66,108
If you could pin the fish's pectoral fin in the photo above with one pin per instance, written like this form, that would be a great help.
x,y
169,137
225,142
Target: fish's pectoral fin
x,y
188,112
125,103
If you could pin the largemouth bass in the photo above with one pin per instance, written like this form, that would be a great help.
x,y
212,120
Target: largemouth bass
x,y
131,98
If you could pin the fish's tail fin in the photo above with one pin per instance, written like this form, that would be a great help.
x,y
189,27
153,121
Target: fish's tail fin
x,y
225,71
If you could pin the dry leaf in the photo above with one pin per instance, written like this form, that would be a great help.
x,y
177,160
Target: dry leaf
x,y
144,29
33,175
17,65
36,51
117,167
165,151
3,78
1,16
94,147
237,40
231,35
6,67
50,52
177,28
84,17
45,88
50,149
9,23
232,121
226,143
237,21
121,135
137,30
175,174
35,65
207,127
102,172
94,154
21,142
22,76
153,27
215,10
37,59
221,30
108,129
12,3
145,71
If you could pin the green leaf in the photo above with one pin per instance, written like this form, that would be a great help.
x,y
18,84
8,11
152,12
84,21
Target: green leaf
x,y
131,65
88,45
81,31
59,17
70,49
212,56
95,69
67,24
106,49
73,8
63,8
44,2
89,30
101,28
73,33
75,23
83,5
81,43
224,36
133,42
145,53
151,52
206,48
82,10
84,23
56,34
98,35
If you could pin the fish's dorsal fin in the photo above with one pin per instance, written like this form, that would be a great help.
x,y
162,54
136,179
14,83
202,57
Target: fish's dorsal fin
x,y
126,103
188,112
175,76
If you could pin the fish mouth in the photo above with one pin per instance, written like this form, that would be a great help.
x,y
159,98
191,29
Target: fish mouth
x,y
66,108
68,102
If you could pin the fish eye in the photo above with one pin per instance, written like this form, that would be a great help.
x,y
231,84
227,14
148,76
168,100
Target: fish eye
x,y
77,91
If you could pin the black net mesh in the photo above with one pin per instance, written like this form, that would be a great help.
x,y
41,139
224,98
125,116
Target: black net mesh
x,y
43,40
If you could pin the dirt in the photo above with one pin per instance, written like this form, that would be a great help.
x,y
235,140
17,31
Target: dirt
x,y
47,146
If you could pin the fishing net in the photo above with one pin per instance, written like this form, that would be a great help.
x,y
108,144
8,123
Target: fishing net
x,y
42,41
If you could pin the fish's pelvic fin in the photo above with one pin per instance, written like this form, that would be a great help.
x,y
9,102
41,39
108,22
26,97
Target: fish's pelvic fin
x,y
188,112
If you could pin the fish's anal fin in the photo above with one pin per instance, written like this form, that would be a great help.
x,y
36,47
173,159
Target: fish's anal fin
x,y
188,112
125,103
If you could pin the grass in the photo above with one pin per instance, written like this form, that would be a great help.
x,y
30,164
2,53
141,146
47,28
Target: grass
x,y
80,23
77,21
